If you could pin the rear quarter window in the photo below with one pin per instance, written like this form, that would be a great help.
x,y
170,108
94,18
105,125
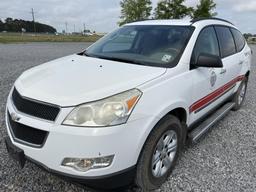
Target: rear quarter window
x,y
239,39
226,41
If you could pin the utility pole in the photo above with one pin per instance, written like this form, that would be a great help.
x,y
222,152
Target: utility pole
x,y
84,27
74,28
66,24
33,17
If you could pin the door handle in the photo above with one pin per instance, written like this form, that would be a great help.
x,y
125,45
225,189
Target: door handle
x,y
223,71
240,63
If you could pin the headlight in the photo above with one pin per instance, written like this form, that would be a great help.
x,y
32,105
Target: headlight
x,y
113,110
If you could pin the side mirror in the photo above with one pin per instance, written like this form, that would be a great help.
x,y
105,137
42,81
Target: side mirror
x,y
208,60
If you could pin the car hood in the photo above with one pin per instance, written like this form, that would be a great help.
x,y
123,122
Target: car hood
x,y
75,79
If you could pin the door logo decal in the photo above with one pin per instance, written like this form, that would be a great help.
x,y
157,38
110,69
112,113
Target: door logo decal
x,y
213,78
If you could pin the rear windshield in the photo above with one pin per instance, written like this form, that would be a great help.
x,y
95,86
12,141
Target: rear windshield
x,y
160,46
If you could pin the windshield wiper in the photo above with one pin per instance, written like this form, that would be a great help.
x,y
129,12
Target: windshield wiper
x,y
86,54
120,60
124,60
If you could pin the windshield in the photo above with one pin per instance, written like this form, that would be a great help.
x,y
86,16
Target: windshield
x,y
145,45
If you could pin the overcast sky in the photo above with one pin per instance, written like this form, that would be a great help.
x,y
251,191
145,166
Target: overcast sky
x,y
103,15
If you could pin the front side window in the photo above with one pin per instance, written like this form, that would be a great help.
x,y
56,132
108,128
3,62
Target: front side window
x,y
239,39
227,44
207,43
145,45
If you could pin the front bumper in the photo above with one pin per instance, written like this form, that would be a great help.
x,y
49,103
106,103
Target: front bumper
x,y
116,180
123,141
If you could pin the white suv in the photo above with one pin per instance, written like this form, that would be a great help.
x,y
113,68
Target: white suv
x,y
122,110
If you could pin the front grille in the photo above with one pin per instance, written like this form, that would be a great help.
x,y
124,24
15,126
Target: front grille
x,y
35,108
27,135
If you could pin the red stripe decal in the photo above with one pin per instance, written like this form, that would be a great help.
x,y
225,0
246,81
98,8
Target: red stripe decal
x,y
217,93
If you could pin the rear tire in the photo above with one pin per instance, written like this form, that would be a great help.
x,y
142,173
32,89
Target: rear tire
x,y
159,154
239,97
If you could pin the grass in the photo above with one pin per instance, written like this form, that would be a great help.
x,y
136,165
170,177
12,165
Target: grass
x,y
251,42
25,38
28,37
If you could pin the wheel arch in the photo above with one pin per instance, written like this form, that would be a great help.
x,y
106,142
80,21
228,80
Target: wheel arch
x,y
180,112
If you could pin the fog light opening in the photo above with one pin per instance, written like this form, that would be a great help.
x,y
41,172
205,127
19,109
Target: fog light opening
x,y
86,164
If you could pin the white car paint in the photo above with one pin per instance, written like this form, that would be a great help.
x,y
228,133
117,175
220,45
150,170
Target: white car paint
x,y
92,79
74,80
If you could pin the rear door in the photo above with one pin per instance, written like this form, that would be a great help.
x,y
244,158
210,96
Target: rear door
x,y
243,57
229,74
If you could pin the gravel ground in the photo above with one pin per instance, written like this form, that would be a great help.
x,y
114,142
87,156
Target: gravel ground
x,y
225,160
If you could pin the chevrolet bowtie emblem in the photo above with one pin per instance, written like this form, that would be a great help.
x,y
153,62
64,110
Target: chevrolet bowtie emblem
x,y
15,117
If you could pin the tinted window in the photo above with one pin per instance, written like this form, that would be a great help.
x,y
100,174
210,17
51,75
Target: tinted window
x,y
206,43
239,39
146,45
227,44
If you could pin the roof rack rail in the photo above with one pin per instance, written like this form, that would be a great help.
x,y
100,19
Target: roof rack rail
x,y
150,19
209,18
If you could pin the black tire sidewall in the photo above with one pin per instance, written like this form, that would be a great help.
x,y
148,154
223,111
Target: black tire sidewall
x,y
236,97
144,170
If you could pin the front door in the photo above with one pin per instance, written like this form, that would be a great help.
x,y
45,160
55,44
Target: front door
x,y
206,81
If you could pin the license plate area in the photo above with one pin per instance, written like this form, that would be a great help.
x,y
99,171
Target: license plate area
x,y
15,153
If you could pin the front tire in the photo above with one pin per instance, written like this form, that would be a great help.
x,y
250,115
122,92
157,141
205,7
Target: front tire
x,y
239,97
159,154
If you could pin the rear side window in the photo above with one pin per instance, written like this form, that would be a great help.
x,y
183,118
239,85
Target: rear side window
x,y
227,44
207,42
239,39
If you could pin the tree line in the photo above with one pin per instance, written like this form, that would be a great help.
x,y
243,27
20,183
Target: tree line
x,y
17,25
134,10
249,35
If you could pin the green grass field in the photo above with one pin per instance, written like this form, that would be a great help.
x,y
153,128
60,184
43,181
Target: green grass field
x,y
28,37
19,38
251,42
